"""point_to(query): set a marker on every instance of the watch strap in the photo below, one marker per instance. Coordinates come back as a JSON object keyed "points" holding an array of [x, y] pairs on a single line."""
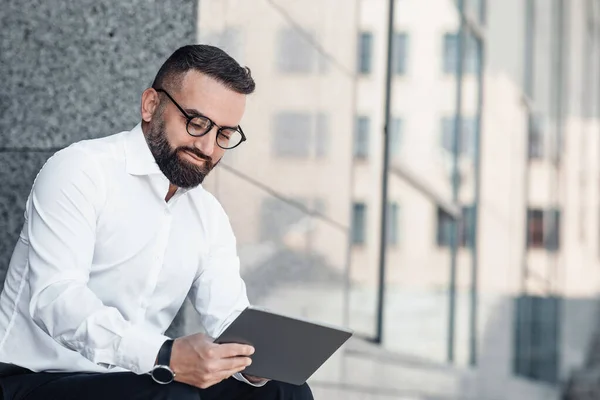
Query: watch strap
{"points": [[164, 354]]}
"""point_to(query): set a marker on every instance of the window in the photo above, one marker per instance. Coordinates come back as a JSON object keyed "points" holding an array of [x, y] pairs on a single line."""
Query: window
{"points": [[552, 239], [535, 228], [543, 229], [359, 211], [465, 227], [361, 137], [450, 53], [471, 64], [301, 135], [292, 134], [295, 53], [466, 146], [365, 52], [322, 135], [399, 53], [536, 344], [444, 228], [393, 217], [536, 138], [396, 137]]}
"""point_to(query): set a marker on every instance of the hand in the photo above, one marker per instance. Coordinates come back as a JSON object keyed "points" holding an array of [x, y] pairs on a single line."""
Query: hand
{"points": [[255, 379], [199, 362]]}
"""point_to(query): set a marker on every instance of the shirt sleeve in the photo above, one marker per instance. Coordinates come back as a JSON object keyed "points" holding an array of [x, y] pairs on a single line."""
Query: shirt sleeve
{"points": [[219, 293], [61, 215], [241, 378]]}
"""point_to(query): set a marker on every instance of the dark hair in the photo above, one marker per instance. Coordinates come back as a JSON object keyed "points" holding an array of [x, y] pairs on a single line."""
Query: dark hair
{"points": [[208, 60]]}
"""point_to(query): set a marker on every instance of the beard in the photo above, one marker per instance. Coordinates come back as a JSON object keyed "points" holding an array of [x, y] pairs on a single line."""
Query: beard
{"points": [[179, 172]]}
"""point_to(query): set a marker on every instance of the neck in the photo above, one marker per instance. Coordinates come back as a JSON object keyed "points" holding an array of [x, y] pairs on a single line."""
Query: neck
{"points": [[171, 192]]}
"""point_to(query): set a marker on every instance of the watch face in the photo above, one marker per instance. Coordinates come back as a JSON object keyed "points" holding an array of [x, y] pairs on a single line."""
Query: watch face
{"points": [[163, 374]]}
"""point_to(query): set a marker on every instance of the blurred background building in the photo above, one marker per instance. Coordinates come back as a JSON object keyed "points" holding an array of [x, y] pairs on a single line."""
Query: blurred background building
{"points": [[486, 283]]}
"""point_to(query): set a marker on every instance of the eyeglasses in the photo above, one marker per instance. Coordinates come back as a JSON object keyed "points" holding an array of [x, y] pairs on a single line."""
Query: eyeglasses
{"points": [[199, 125]]}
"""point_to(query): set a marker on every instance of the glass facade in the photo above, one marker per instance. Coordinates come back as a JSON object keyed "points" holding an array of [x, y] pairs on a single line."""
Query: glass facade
{"points": [[477, 223]]}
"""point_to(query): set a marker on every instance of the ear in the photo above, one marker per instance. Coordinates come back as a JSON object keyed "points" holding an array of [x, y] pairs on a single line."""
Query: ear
{"points": [[150, 102]]}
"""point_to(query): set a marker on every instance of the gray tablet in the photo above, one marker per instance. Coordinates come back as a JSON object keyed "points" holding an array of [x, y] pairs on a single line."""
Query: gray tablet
{"points": [[286, 349]]}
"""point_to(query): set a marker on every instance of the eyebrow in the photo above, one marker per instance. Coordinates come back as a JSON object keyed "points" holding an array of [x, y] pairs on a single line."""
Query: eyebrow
{"points": [[192, 112]]}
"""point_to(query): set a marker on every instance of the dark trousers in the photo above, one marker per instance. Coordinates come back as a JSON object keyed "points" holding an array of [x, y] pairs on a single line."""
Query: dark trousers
{"points": [[129, 386]]}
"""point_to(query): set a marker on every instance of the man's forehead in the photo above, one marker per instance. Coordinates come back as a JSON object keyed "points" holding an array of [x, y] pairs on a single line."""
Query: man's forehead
{"points": [[212, 98], [194, 81]]}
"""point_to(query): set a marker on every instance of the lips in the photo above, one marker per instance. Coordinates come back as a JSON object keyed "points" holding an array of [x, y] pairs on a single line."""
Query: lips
{"points": [[195, 157]]}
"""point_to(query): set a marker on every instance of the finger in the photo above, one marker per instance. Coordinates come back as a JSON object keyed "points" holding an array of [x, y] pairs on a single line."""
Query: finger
{"points": [[225, 364], [223, 374], [234, 350], [230, 372]]}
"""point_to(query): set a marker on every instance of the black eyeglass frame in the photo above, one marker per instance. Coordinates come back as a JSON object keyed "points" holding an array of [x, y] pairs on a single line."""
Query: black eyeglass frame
{"points": [[212, 124]]}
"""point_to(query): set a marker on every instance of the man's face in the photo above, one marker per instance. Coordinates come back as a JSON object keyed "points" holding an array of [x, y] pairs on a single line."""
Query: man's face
{"points": [[184, 159]]}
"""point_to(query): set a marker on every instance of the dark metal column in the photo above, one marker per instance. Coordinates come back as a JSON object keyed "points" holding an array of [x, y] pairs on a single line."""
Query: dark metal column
{"points": [[475, 211], [455, 180], [385, 176]]}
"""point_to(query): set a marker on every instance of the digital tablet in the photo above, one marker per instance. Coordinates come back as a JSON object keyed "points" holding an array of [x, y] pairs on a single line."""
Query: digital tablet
{"points": [[286, 349]]}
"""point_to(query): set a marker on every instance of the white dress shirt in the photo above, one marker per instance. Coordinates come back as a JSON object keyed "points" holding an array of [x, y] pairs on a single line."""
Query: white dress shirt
{"points": [[103, 263]]}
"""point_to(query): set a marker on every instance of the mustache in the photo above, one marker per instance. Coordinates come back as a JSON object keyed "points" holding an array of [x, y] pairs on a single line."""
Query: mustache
{"points": [[197, 153]]}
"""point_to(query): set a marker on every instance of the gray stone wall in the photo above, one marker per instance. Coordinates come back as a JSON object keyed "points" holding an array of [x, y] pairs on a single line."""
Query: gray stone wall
{"points": [[71, 71]]}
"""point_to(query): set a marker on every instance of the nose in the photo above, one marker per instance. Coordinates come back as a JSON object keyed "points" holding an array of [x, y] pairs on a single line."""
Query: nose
{"points": [[207, 143]]}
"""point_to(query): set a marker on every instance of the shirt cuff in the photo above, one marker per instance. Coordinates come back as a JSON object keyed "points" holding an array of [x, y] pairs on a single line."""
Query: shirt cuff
{"points": [[138, 349], [241, 378]]}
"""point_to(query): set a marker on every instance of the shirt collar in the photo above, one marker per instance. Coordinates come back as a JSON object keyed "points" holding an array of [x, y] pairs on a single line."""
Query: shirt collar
{"points": [[138, 157]]}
